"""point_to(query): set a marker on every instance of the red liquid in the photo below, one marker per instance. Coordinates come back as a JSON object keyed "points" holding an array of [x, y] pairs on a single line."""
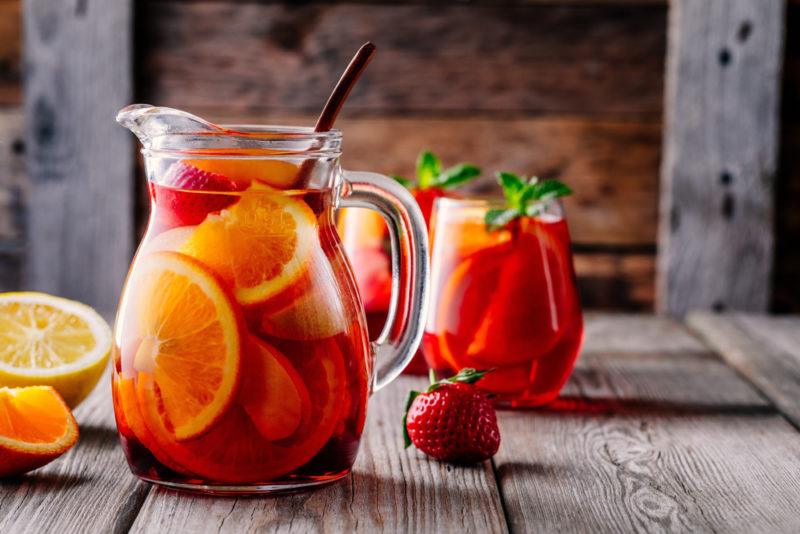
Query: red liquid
{"points": [[506, 300], [304, 347]]}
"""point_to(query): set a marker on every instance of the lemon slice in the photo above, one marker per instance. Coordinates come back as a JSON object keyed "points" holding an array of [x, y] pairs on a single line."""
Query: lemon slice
{"points": [[51, 341]]}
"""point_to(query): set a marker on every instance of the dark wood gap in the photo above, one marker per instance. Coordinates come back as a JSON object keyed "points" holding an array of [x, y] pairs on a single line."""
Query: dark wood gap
{"points": [[604, 248]]}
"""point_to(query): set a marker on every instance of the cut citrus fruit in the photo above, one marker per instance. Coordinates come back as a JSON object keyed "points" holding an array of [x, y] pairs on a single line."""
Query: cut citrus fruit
{"points": [[194, 241], [272, 392], [47, 340], [234, 450], [36, 427], [263, 243], [361, 228], [276, 173], [171, 239], [190, 348], [131, 423], [466, 289]]}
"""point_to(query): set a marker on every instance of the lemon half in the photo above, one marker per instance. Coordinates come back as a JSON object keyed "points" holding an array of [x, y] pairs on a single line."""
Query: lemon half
{"points": [[51, 341]]}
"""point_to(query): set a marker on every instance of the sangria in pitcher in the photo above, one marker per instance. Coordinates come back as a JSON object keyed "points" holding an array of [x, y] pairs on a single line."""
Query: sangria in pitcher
{"points": [[241, 359]]}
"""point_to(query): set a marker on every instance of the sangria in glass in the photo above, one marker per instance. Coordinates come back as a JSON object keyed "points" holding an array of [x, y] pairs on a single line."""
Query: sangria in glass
{"points": [[503, 297], [241, 359], [365, 237]]}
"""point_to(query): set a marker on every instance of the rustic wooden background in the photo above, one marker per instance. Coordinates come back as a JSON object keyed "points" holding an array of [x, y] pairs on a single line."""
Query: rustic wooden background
{"points": [[568, 88]]}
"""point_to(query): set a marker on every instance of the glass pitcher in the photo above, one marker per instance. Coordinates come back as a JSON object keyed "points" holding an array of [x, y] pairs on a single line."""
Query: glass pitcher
{"points": [[241, 359]]}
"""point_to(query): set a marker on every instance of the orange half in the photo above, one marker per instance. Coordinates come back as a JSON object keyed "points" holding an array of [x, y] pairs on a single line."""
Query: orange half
{"points": [[36, 427], [190, 348]]}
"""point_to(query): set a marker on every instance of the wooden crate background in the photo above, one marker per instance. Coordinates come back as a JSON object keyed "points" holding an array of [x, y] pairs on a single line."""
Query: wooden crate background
{"points": [[569, 88]]}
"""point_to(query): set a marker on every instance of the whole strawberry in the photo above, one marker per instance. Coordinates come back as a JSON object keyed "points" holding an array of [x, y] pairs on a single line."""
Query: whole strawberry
{"points": [[453, 420]]}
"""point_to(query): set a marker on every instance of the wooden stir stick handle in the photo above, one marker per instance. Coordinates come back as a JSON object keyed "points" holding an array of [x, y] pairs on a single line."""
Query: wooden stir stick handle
{"points": [[336, 100], [343, 87]]}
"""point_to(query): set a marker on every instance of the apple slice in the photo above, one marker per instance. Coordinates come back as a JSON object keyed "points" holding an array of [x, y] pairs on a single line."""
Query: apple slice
{"points": [[316, 312]]}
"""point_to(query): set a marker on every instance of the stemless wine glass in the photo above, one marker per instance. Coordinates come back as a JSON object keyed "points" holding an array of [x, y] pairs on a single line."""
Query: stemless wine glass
{"points": [[241, 360], [503, 299]]}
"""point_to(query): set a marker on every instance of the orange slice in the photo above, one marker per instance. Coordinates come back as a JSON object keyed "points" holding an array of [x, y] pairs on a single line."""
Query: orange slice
{"points": [[524, 317], [361, 228], [262, 244], [171, 239], [272, 392], [190, 340], [276, 173], [36, 427]]}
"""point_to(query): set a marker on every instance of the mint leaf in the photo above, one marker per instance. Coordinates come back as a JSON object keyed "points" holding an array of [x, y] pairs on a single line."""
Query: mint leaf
{"points": [[550, 189], [524, 197], [428, 169], [496, 219], [511, 183], [456, 175], [535, 209], [405, 182], [530, 192]]}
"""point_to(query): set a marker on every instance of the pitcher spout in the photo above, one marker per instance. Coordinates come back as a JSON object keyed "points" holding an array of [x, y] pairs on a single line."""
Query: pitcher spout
{"points": [[149, 123]]}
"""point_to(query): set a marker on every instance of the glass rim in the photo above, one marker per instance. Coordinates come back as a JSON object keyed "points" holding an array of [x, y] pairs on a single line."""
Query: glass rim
{"points": [[276, 142], [476, 201], [480, 204]]}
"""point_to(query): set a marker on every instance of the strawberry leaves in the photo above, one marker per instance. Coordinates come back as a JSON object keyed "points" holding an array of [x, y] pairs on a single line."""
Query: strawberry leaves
{"points": [[524, 198], [468, 375], [431, 175]]}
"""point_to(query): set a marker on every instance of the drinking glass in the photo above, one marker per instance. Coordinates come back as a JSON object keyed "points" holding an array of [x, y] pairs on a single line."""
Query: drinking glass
{"points": [[503, 300], [241, 360]]}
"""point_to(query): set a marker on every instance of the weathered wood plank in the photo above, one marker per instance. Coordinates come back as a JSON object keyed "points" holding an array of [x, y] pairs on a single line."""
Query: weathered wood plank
{"points": [[80, 161], [10, 56], [615, 281], [577, 471], [12, 198], [391, 490], [479, 2], [629, 333], [765, 350], [653, 434], [89, 488], [615, 200], [786, 298], [720, 154], [552, 58]]}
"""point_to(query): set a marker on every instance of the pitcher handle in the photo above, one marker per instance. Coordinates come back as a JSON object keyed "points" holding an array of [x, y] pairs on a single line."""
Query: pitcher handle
{"points": [[402, 332]]}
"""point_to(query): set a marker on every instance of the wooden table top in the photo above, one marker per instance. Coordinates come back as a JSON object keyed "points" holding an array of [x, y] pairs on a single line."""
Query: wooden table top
{"points": [[662, 427]]}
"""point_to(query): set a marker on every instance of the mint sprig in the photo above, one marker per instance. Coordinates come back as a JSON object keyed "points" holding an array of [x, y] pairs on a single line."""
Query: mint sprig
{"points": [[467, 375], [525, 197], [430, 173]]}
